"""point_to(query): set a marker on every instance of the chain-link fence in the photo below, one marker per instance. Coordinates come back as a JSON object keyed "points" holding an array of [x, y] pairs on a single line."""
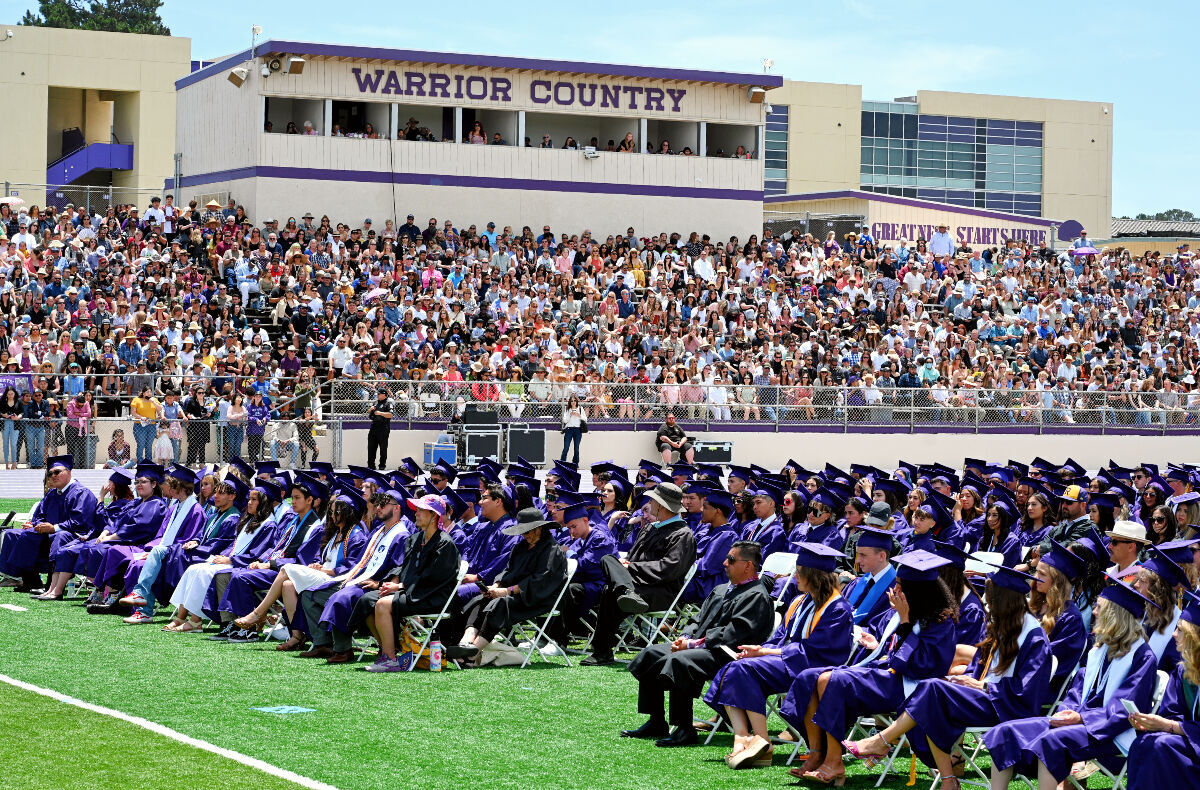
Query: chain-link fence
{"points": [[96, 199], [772, 408], [819, 225]]}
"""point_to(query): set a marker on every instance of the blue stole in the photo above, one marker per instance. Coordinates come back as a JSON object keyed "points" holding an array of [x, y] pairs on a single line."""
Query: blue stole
{"points": [[861, 609], [176, 519]]}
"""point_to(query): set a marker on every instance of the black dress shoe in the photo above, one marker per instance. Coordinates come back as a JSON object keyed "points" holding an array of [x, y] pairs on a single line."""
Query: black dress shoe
{"points": [[458, 652], [597, 660], [681, 736], [654, 728], [630, 602], [36, 591]]}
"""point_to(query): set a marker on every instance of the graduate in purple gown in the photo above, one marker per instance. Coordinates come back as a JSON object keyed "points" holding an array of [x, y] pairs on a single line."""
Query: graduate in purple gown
{"points": [[1166, 752], [141, 568], [822, 525], [130, 521], [1000, 534], [767, 528], [972, 619], [713, 539], [298, 541], [867, 594], [72, 558], [216, 535], [1091, 721], [588, 546], [1160, 580], [1008, 678], [1051, 602], [66, 513], [815, 631], [489, 548], [824, 702]]}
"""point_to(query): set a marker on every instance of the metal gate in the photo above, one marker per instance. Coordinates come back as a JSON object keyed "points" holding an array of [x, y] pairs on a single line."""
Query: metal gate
{"points": [[782, 222]]}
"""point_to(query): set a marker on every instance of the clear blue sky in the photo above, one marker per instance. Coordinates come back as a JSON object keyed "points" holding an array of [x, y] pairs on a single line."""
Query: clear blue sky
{"points": [[1131, 54]]}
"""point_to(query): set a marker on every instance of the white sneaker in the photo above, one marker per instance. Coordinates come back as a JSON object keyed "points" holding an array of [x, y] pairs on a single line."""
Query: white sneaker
{"points": [[550, 650], [525, 645]]}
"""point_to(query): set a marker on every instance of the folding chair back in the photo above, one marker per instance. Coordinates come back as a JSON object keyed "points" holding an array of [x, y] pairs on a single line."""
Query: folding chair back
{"points": [[781, 564], [428, 623], [535, 641], [652, 622]]}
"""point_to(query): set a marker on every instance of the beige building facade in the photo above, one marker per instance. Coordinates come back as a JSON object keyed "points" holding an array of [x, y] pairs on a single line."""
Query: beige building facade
{"points": [[95, 109], [1038, 158]]}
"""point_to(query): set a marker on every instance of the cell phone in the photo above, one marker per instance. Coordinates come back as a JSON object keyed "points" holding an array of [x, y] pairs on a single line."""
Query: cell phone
{"points": [[732, 653], [1130, 708], [481, 584]]}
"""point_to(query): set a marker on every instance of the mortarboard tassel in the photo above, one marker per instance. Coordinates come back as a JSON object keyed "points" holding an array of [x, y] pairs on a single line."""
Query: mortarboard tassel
{"points": [[912, 772]]}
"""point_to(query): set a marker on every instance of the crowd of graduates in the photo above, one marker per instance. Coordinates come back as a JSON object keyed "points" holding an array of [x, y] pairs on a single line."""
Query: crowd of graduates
{"points": [[1054, 608]]}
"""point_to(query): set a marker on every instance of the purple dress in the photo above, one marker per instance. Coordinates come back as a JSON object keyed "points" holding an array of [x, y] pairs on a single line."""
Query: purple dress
{"points": [[879, 686], [712, 547], [1096, 695], [943, 710], [807, 638], [299, 541], [1159, 760], [72, 510]]}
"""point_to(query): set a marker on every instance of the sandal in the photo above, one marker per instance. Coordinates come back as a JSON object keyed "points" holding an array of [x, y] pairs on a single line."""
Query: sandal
{"points": [[188, 627], [823, 776], [173, 625], [869, 760], [811, 763], [250, 621]]}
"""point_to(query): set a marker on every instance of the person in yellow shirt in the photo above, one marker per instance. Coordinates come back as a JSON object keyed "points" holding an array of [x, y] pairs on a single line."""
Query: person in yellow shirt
{"points": [[145, 411]]}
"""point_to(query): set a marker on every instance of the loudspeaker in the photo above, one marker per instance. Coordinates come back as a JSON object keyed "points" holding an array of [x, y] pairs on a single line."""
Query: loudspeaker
{"points": [[480, 445], [527, 442], [714, 452]]}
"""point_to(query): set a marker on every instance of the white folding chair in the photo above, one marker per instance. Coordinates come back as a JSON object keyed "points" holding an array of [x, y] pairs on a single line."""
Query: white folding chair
{"points": [[520, 632], [649, 625], [428, 623], [1118, 779], [781, 564]]}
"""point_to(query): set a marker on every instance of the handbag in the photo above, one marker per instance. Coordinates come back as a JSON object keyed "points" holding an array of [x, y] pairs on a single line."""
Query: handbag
{"points": [[583, 426]]}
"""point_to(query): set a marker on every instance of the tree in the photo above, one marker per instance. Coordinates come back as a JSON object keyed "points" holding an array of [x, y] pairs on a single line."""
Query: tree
{"points": [[114, 16], [1170, 215]]}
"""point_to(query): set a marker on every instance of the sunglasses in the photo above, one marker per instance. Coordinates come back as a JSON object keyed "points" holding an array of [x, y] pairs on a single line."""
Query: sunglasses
{"points": [[1159, 519], [816, 511], [732, 558]]}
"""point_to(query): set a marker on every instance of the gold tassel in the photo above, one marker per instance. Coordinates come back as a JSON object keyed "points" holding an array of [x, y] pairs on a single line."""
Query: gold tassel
{"points": [[912, 771]]}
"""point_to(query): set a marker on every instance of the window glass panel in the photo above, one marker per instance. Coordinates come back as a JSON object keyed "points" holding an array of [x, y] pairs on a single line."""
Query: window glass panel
{"points": [[868, 124], [780, 137], [882, 125]]}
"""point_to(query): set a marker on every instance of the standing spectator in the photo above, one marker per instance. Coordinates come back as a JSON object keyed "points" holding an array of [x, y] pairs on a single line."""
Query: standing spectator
{"points": [[258, 414], [11, 411], [197, 414], [379, 433], [172, 412], [941, 245], [37, 413], [145, 410], [308, 442], [235, 428], [79, 416], [574, 420]]}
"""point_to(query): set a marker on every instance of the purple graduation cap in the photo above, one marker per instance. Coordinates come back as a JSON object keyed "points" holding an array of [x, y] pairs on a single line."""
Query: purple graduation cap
{"points": [[950, 552], [447, 468], [243, 468], [182, 474], [1011, 578], [121, 476], [720, 499], [1158, 562], [872, 538], [323, 468], [919, 566], [1191, 609], [1126, 597], [150, 471], [1062, 560], [349, 495], [240, 489], [268, 489], [61, 462], [310, 485], [817, 556]]}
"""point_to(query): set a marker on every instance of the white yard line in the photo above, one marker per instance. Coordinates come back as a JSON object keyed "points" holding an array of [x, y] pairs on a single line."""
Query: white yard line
{"points": [[174, 735]]}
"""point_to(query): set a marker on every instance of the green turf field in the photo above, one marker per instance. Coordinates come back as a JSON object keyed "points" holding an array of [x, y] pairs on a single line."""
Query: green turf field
{"points": [[540, 727]]}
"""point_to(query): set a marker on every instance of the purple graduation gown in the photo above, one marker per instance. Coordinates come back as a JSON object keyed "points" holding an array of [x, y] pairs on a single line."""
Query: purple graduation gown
{"points": [[712, 547], [1010, 546], [747, 682], [259, 548], [589, 553], [189, 529], [1159, 760], [772, 536], [876, 687], [1022, 743], [865, 604], [1067, 643], [240, 598], [972, 619], [216, 536], [340, 605], [487, 554], [943, 710], [347, 557], [72, 510], [74, 557], [828, 534]]}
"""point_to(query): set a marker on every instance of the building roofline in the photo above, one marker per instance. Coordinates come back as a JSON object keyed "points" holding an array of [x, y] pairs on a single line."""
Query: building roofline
{"points": [[483, 61], [858, 194]]}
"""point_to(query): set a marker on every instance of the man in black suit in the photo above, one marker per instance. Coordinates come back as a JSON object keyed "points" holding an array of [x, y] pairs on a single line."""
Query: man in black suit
{"points": [[740, 612]]}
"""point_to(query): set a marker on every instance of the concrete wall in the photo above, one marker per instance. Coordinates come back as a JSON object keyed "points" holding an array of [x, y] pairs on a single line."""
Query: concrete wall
{"points": [[812, 450], [824, 134], [35, 59], [1077, 149]]}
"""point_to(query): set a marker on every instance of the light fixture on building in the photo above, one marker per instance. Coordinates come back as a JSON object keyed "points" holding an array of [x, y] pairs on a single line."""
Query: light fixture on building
{"points": [[294, 66], [238, 76], [756, 95]]}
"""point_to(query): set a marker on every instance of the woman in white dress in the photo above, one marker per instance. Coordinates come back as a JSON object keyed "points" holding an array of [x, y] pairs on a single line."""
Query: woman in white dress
{"points": [[188, 597], [341, 547]]}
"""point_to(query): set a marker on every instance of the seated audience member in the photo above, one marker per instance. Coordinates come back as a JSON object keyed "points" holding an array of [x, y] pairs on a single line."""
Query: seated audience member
{"points": [[650, 576], [589, 544], [737, 613]]}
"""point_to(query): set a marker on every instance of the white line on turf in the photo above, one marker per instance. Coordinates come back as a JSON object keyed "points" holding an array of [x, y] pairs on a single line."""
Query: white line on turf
{"points": [[13, 607], [238, 757]]}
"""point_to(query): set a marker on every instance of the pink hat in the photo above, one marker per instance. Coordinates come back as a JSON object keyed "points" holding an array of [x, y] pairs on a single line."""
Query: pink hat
{"points": [[434, 504]]}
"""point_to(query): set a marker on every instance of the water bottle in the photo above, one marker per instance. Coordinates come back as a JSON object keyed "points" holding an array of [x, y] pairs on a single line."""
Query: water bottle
{"points": [[435, 656], [70, 591]]}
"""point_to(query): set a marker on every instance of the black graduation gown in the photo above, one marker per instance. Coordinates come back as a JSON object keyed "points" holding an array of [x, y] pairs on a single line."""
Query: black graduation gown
{"points": [[427, 573], [659, 559], [540, 572]]}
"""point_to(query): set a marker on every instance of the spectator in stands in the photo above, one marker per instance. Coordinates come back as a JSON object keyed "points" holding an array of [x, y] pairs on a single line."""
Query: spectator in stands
{"points": [[671, 438]]}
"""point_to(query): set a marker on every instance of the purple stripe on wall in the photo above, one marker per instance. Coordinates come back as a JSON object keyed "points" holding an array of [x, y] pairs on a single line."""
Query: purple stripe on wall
{"points": [[856, 194], [478, 182], [497, 62], [827, 428]]}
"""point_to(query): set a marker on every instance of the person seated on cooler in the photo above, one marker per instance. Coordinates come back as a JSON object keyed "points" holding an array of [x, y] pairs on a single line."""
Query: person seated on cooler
{"points": [[182, 521], [650, 576], [1166, 752], [815, 631], [739, 612], [1007, 677], [1091, 723], [825, 702], [119, 522], [671, 438], [66, 513], [325, 610], [526, 588], [589, 544], [420, 586]]}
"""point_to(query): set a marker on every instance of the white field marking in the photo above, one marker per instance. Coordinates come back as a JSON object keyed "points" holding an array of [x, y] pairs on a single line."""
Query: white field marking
{"points": [[174, 735], [13, 607]]}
